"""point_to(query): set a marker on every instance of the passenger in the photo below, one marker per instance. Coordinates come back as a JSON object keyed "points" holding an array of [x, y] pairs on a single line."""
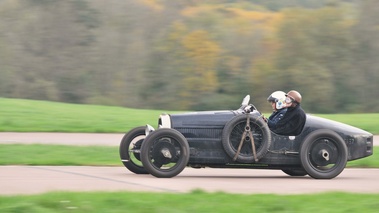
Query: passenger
{"points": [[293, 121], [277, 100]]}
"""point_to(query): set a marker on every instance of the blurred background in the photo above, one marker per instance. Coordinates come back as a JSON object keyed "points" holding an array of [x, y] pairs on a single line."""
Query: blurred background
{"points": [[191, 54]]}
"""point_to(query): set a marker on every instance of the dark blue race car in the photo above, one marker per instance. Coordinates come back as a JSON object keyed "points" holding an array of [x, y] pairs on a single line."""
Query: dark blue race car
{"points": [[241, 139]]}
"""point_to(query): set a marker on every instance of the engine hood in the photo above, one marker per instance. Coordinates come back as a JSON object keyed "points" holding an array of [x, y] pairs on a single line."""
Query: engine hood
{"points": [[209, 119]]}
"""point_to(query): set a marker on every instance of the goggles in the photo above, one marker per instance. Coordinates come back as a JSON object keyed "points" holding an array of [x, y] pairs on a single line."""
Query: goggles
{"points": [[289, 100]]}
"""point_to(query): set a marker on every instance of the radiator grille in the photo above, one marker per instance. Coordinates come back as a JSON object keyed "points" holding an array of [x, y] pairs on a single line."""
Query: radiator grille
{"points": [[200, 132]]}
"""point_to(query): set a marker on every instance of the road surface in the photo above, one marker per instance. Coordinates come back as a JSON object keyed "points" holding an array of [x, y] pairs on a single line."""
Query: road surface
{"points": [[16, 180]]}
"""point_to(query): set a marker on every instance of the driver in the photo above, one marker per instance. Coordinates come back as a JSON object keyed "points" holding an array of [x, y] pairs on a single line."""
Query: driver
{"points": [[293, 121], [277, 100]]}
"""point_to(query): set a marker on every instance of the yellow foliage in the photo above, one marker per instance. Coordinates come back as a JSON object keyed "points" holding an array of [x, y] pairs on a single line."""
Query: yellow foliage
{"points": [[203, 54], [232, 64], [245, 21], [153, 4], [194, 11], [265, 20], [177, 32]]}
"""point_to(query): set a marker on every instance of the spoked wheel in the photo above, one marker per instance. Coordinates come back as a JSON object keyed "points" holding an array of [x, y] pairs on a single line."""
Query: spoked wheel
{"points": [[323, 154], [165, 153], [232, 136], [295, 172], [130, 150]]}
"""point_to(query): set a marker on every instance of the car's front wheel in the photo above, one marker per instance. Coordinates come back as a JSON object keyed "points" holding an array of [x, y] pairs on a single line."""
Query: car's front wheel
{"points": [[323, 154], [165, 153], [130, 150]]}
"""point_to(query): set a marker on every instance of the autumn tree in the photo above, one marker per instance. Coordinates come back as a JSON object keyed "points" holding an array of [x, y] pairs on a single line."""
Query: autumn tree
{"points": [[190, 54], [366, 32], [316, 57], [46, 46], [199, 76]]}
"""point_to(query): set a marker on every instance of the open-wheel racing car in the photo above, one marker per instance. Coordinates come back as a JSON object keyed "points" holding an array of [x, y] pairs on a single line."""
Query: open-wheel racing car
{"points": [[242, 139]]}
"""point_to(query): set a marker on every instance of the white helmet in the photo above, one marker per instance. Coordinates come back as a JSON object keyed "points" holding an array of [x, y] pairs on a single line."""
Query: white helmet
{"points": [[278, 97]]}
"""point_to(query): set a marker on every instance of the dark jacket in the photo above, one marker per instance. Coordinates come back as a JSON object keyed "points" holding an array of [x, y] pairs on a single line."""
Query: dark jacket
{"points": [[275, 117], [292, 122]]}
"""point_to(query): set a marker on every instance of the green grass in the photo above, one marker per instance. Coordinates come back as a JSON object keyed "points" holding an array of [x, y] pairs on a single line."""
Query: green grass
{"points": [[62, 155], [368, 122], [59, 155], [20, 115], [195, 201]]}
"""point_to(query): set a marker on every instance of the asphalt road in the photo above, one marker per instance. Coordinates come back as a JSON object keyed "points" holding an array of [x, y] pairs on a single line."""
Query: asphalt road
{"points": [[15, 180], [79, 139], [39, 179]]}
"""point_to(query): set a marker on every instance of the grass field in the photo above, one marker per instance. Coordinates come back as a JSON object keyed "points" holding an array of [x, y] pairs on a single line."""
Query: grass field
{"points": [[59, 155], [196, 201], [20, 115]]}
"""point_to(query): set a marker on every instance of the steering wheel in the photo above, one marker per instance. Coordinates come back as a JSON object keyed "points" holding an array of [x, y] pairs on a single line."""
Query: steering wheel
{"points": [[246, 107]]}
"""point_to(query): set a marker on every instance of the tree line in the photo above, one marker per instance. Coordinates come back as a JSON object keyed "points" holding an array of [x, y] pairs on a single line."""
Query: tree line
{"points": [[191, 54]]}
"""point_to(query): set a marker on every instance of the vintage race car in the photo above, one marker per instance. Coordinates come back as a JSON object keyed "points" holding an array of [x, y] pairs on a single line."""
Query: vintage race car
{"points": [[242, 139]]}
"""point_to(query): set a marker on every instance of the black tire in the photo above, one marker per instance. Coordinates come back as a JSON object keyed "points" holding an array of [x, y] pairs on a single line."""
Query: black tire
{"points": [[129, 150], [323, 154], [165, 153], [295, 172], [232, 134]]}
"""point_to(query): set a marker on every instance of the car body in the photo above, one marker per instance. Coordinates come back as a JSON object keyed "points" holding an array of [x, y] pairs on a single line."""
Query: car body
{"points": [[241, 139]]}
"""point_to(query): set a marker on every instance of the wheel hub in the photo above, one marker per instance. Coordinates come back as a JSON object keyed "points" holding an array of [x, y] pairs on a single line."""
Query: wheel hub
{"points": [[324, 153], [136, 150], [163, 152], [166, 153]]}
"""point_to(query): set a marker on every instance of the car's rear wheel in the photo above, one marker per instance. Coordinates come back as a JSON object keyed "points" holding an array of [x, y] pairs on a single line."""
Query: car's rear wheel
{"points": [[323, 154], [130, 150], [165, 153], [295, 172], [232, 136]]}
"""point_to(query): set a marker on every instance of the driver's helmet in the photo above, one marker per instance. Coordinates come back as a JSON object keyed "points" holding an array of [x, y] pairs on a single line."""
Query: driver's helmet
{"points": [[279, 98], [295, 96]]}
